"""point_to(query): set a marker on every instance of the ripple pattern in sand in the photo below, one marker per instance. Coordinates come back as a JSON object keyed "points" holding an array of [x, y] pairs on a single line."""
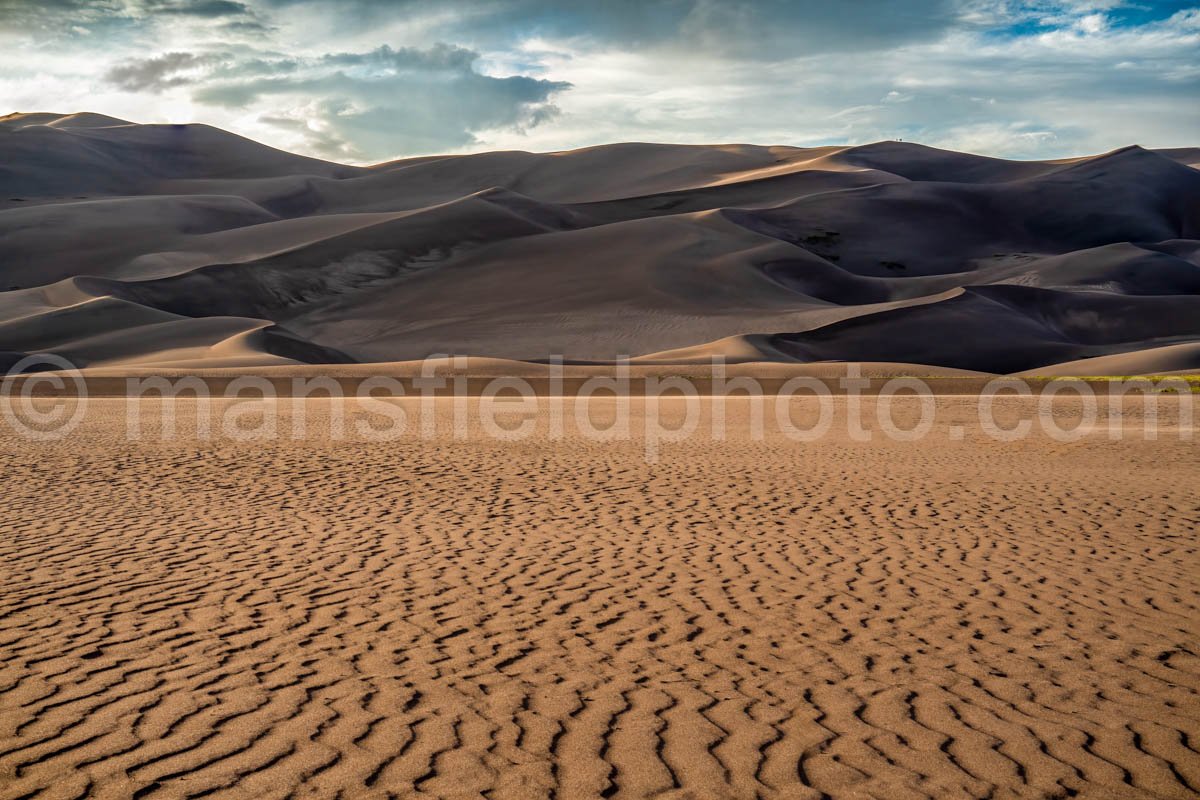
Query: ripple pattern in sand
{"points": [[480, 619]]}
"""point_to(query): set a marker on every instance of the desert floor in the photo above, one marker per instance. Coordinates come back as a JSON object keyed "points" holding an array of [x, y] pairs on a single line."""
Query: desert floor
{"points": [[465, 617]]}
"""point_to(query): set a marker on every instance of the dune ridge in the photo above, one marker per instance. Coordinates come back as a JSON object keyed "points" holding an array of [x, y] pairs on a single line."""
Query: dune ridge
{"points": [[651, 251]]}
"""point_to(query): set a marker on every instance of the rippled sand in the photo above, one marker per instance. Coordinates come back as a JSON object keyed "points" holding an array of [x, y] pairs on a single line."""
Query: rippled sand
{"points": [[955, 617]]}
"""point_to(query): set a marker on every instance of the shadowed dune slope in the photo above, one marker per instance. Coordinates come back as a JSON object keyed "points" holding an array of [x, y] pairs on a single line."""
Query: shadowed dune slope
{"points": [[888, 251], [1011, 328]]}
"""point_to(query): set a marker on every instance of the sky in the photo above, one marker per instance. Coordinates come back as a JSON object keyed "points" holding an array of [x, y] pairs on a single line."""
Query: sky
{"points": [[363, 81]]}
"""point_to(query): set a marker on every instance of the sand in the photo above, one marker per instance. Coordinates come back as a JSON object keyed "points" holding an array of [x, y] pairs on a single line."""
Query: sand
{"points": [[955, 617], [184, 246]]}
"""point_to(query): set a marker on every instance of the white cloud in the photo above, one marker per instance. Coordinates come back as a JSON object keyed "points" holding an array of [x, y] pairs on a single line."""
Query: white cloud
{"points": [[1018, 138]]}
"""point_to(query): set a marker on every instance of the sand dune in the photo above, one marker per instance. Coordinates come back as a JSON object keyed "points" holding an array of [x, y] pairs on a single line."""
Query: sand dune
{"points": [[1011, 328], [49, 155], [45, 243], [653, 251], [1165, 360]]}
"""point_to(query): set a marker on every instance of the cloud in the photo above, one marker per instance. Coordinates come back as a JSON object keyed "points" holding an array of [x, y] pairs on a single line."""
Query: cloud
{"points": [[56, 20], [312, 130], [159, 73], [1012, 138], [17, 13], [1042, 93], [756, 29], [379, 103], [198, 8]]}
